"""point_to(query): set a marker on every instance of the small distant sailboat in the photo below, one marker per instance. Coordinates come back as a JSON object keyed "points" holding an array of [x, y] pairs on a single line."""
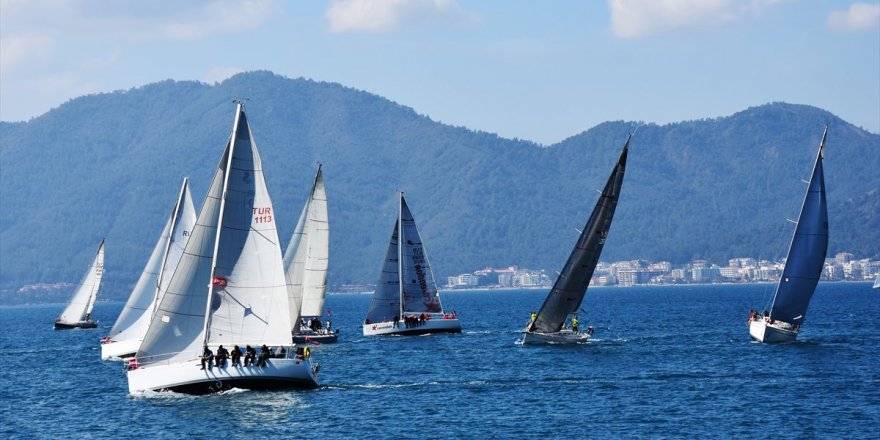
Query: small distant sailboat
{"points": [[406, 300], [78, 313], [127, 333], [548, 325], [877, 282], [305, 262], [229, 289], [803, 266]]}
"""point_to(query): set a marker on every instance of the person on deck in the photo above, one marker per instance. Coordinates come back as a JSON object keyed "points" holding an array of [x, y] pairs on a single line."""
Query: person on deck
{"points": [[250, 356], [222, 355], [533, 316], [207, 357], [236, 356], [575, 323], [396, 321], [264, 355]]}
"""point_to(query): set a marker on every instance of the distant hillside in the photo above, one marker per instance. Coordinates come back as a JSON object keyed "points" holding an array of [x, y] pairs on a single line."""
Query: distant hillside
{"points": [[109, 165]]}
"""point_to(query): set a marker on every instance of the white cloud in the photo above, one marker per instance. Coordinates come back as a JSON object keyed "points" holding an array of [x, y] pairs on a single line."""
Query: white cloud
{"points": [[386, 15], [859, 17], [16, 52], [222, 16], [218, 74], [643, 18]]}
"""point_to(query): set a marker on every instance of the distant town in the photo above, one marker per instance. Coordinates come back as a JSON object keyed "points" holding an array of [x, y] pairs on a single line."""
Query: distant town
{"points": [[843, 267]]}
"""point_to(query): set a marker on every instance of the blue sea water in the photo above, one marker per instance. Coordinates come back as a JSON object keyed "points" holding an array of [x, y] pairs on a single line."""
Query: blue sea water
{"points": [[665, 362]]}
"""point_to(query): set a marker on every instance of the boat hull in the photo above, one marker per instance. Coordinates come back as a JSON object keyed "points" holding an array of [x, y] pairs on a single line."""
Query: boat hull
{"points": [[762, 331], [188, 378], [60, 325], [119, 350], [319, 337], [560, 337], [429, 326]]}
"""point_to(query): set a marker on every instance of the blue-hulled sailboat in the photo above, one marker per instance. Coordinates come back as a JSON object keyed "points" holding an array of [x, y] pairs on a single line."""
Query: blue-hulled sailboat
{"points": [[803, 266]]}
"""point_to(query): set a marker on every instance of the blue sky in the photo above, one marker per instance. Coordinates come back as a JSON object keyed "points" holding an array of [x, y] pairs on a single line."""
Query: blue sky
{"points": [[536, 70]]}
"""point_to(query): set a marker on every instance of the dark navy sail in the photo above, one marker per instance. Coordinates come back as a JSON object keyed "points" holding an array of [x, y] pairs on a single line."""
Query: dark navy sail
{"points": [[568, 292], [806, 256]]}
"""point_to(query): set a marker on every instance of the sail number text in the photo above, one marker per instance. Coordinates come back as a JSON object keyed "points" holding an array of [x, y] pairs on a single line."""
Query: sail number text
{"points": [[262, 215]]}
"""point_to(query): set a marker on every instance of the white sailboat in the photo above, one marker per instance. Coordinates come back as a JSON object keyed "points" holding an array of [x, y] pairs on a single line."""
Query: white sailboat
{"points": [[547, 326], [78, 313], [406, 300], [877, 282], [127, 333], [229, 289], [305, 261], [803, 266]]}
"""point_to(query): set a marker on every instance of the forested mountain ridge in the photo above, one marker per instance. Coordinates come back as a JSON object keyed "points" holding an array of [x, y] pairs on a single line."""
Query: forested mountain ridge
{"points": [[109, 165]]}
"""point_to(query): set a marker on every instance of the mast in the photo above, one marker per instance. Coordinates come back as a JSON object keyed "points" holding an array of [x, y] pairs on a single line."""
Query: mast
{"points": [[174, 214], [400, 252], [789, 265], [238, 110]]}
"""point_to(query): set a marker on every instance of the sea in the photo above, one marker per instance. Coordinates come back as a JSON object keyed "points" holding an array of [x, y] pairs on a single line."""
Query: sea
{"points": [[664, 362]]}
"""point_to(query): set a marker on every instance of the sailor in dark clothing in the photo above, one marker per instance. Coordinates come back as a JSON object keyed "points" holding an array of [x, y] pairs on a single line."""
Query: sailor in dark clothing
{"points": [[236, 356], [264, 355], [250, 356], [222, 355], [207, 357]]}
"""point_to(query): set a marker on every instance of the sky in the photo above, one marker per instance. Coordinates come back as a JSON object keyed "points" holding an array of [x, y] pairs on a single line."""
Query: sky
{"points": [[536, 70]]}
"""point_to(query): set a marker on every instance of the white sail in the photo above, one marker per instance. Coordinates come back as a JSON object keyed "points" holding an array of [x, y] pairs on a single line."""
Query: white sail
{"points": [[83, 300], [307, 255], [135, 317], [877, 282], [229, 287]]}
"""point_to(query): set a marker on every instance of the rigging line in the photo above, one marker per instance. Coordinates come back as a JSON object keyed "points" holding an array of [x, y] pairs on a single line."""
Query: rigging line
{"points": [[261, 234]]}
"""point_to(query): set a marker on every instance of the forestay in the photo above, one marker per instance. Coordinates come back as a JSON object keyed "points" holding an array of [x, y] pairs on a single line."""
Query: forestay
{"points": [[83, 300], [135, 317], [806, 255], [570, 287], [418, 288]]}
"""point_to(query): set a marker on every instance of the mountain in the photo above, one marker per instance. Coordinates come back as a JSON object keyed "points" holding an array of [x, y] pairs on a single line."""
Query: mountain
{"points": [[109, 165]]}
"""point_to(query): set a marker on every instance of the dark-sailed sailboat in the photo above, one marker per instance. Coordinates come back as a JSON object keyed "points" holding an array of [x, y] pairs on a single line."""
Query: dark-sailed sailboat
{"points": [[564, 299], [406, 300], [803, 265]]}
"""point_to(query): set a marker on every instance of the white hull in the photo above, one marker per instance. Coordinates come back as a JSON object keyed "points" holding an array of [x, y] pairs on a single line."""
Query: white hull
{"points": [[119, 350], [187, 377], [763, 331], [565, 336], [430, 326]]}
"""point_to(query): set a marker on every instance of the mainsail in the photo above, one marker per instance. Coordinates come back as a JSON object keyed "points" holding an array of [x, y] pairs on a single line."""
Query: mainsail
{"points": [[307, 254], [418, 289], [570, 287], [135, 317], [229, 287], [806, 255], [386, 299], [83, 300]]}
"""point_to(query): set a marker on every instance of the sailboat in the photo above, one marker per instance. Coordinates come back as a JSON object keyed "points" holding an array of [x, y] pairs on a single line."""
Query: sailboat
{"points": [[803, 265], [305, 262], [78, 313], [229, 290], [547, 326], [877, 282], [406, 300], [127, 333]]}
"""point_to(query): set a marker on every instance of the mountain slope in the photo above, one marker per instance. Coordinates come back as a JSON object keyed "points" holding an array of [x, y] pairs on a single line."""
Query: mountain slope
{"points": [[109, 165]]}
